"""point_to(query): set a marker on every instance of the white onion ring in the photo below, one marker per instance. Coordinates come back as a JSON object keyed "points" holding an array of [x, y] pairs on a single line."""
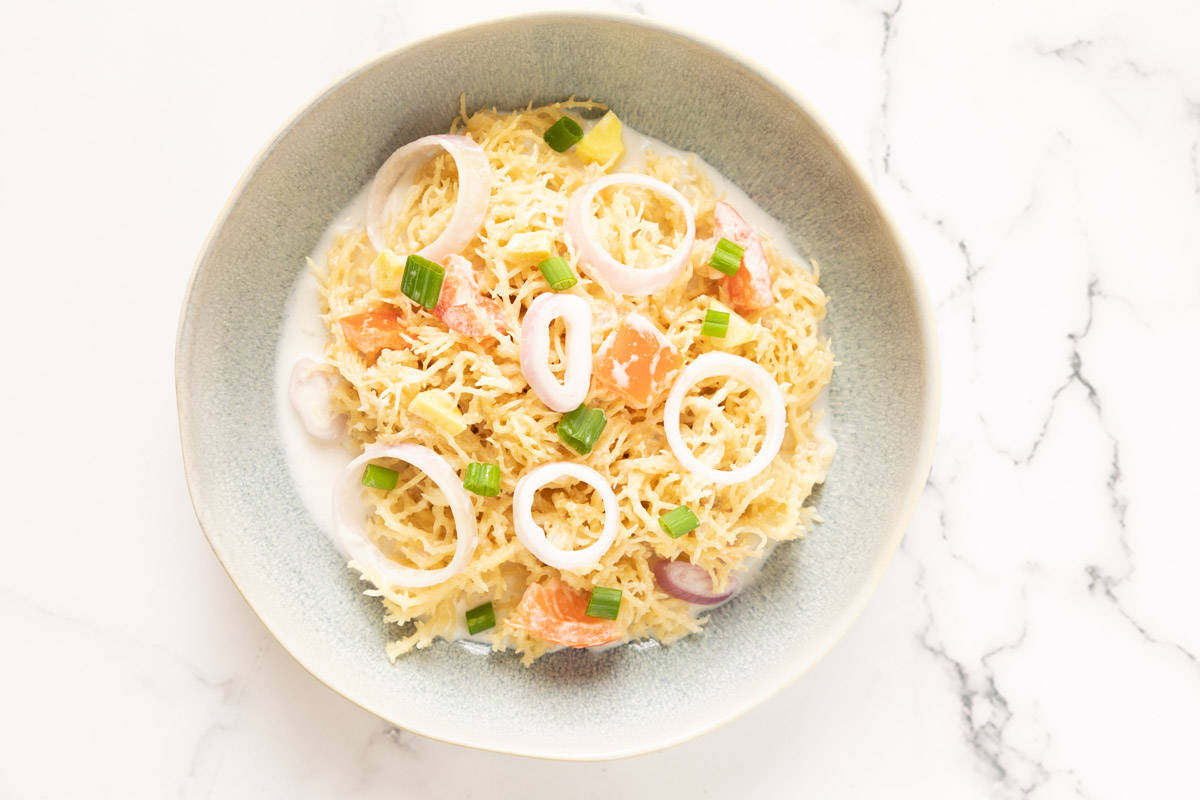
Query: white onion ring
{"points": [[349, 518], [712, 365], [532, 535], [474, 189], [535, 350], [309, 389], [622, 278]]}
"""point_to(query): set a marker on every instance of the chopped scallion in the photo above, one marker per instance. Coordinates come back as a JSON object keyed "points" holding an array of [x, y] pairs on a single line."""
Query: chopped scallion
{"points": [[678, 522], [716, 323], [481, 618], [482, 479], [563, 135], [422, 282], [726, 257], [605, 603], [378, 477], [580, 428], [558, 273]]}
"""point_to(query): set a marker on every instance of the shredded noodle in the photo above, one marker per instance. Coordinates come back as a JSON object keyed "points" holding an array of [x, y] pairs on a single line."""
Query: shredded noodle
{"points": [[510, 427]]}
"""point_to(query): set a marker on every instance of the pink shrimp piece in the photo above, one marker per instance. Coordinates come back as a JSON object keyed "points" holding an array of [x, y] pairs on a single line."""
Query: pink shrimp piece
{"points": [[750, 288], [461, 305]]}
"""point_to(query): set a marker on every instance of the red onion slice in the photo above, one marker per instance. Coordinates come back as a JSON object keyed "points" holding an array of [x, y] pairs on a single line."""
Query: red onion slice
{"points": [[712, 365], [532, 535], [309, 390], [349, 516], [690, 583], [474, 189], [535, 350], [622, 278]]}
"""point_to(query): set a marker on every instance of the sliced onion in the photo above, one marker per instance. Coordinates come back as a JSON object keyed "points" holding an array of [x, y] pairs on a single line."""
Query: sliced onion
{"points": [[532, 535], [712, 365], [690, 583], [535, 350], [622, 278], [474, 188], [350, 516], [309, 389]]}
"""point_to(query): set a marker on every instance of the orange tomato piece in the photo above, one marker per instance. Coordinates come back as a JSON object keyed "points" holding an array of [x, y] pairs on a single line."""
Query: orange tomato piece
{"points": [[374, 331], [461, 305], [555, 612], [750, 288], [636, 361]]}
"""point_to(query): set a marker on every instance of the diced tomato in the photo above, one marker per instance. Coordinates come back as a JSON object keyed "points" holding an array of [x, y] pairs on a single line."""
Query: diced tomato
{"points": [[374, 331], [462, 307], [636, 361], [750, 288], [555, 612]]}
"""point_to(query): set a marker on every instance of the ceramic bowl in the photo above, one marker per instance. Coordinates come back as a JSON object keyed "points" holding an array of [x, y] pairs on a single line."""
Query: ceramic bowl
{"points": [[572, 704]]}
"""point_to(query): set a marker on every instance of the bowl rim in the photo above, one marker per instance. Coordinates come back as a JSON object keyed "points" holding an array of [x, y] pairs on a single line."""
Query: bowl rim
{"points": [[925, 317]]}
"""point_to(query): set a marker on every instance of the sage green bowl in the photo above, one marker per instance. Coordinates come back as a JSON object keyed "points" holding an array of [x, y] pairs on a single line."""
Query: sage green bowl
{"points": [[572, 704]]}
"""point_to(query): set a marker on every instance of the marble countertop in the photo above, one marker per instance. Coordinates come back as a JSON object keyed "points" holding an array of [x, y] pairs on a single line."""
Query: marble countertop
{"points": [[1037, 636]]}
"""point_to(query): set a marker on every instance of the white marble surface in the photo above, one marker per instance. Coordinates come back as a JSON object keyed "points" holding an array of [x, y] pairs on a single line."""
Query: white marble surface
{"points": [[1038, 634]]}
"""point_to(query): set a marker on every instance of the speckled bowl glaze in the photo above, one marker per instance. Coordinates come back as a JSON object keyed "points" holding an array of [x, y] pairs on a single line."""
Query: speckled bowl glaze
{"points": [[573, 704]]}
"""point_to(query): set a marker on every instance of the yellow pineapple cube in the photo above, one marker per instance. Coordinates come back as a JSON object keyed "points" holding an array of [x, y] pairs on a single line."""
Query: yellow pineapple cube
{"points": [[602, 144], [438, 408], [387, 271], [533, 245], [739, 331]]}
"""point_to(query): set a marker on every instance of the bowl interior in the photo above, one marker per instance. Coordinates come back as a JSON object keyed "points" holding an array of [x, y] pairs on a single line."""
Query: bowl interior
{"points": [[571, 704]]}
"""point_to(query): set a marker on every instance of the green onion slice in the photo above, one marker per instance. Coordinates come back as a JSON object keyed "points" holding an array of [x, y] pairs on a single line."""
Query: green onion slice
{"points": [[716, 323], [422, 282], [726, 257], [480, 618], [558, 273], [579, 429], [678, 522], [562, 135], [482, 479], [605, 603], [378, 477]]}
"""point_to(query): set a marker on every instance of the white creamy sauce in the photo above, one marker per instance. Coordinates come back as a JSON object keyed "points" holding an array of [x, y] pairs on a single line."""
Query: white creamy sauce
{"points": [[315, 465]]}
